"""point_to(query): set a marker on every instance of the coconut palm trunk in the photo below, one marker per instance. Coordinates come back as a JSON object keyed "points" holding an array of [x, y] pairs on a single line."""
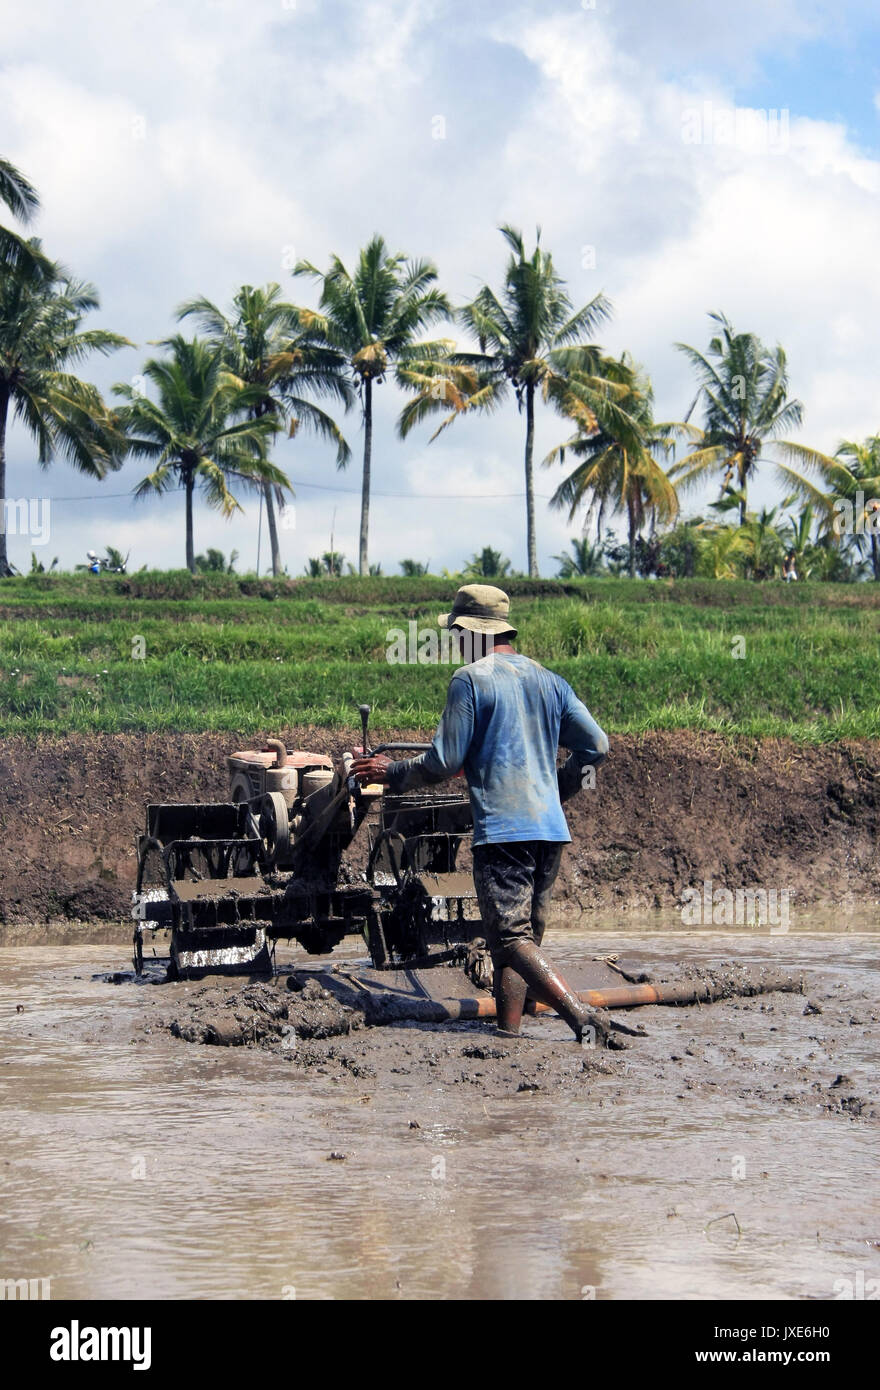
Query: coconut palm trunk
{"points": [[273, 530], [189, 485], [268, 498], [4, 414], [530, 482], [363, 562], [633, 529]]}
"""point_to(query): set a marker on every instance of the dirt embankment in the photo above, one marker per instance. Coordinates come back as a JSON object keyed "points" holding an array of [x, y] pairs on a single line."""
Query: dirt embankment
{"points": [[669, 811]]}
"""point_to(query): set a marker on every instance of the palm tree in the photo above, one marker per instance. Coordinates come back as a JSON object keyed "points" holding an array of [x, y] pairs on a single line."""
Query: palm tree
{"points": [[619, 466], [530, 340], [487, 564], [215, 562], [265, 343], [765, 541], [41, 313], [585, 559], [23, 202], [195, 432], [797, 539], [680, 549], [330, 562], [761, 537], [860, 475], [744, 390], [723, 551], [372, 317]]}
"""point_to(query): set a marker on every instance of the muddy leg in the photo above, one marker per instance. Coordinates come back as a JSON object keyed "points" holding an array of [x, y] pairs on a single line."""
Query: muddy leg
{"points": [[547, 860], [546, 983], [503, 878], [510, 997], [513, 884]]}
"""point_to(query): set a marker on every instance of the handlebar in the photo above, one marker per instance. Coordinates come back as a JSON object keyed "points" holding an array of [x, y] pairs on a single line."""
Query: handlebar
{"points": [[401, 748]]}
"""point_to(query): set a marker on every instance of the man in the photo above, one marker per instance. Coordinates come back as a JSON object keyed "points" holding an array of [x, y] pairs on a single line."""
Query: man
{"points": [[504, 719]]}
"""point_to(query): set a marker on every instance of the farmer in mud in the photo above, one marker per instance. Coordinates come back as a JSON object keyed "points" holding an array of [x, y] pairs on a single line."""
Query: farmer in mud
{"points": [[504, 719]]}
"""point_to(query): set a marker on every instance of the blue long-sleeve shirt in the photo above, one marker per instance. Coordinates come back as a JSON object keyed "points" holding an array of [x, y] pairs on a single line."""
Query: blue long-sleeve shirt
{"points": [[504, 719]]}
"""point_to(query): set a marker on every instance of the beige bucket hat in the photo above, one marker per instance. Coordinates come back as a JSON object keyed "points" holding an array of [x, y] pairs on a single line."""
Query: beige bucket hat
{"points": [[481, 608]]}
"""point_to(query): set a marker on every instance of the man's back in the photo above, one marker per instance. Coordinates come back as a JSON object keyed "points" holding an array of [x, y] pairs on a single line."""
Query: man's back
{"points": [[505, 716]]}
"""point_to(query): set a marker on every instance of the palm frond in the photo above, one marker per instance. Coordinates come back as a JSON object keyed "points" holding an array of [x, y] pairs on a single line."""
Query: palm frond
{"points": [[17, 192]]}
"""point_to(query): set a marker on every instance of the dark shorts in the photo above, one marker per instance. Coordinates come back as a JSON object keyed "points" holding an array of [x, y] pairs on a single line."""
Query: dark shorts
{"points": [[514, 883]]}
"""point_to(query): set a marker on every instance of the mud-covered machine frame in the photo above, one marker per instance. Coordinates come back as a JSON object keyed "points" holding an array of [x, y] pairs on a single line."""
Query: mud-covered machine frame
{"points": [[229, 879]]}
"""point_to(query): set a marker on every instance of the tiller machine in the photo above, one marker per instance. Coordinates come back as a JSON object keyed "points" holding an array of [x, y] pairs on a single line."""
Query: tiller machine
{"points": [[228, 879]]}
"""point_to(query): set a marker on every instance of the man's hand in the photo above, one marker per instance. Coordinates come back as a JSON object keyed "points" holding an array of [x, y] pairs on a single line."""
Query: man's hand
{"points": [[373, 769]]}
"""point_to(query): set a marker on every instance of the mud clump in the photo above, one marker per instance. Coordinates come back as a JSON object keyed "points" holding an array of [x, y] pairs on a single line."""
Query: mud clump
{"points": [[730, 979], [482, 1053], [299, 1022], [264, 1014]]}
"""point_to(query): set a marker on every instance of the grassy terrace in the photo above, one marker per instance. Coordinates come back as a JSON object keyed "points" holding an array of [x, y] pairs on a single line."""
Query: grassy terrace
{"points": [[228, 653]]}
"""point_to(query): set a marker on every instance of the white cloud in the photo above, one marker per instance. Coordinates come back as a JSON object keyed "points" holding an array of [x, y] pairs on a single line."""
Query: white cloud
{"points": [[267, 126], [780, 240]]}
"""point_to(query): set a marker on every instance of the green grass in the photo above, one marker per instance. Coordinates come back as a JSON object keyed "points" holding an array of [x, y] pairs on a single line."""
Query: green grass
{"points": [[246, 655]]}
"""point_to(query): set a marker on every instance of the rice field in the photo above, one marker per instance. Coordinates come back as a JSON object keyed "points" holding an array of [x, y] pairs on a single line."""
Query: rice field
{"points": [[166, 652]]}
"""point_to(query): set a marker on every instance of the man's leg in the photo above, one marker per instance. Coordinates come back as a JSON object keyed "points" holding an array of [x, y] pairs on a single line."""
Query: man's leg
{"points": [[545, 983], [550, 987], [548, 859], [510, 999], [504, 878]]}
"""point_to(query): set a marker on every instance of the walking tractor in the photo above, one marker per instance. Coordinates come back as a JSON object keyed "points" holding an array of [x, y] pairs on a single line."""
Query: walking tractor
{"points": [[301, 852], [228, 879]]}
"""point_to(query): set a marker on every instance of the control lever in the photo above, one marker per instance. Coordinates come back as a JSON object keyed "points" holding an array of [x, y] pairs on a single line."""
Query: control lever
{"points": [[365, 714], [354, 786]]}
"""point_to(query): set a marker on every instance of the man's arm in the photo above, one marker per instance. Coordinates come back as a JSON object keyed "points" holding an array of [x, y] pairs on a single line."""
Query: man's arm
{"points": [[587, 743], [443, 759]]}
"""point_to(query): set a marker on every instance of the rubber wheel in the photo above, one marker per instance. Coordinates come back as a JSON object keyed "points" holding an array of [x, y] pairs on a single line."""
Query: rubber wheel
{"points": [[274, 829]]}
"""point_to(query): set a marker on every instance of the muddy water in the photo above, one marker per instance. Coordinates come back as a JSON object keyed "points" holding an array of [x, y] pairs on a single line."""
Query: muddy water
{"points": [[712, 1160]]}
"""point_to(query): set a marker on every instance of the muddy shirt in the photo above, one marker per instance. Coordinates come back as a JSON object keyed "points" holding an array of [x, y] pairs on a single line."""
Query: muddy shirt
{"points": [[504, 719]]}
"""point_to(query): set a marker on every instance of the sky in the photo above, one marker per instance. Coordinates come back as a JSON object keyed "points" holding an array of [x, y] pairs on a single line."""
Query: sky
{"points": [[189, 148]]}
